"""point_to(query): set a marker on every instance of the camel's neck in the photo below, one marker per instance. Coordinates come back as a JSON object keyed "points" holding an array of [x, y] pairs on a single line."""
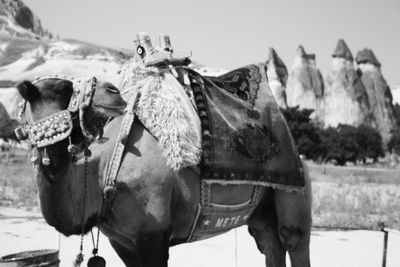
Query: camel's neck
{"points": [[63, 193]]}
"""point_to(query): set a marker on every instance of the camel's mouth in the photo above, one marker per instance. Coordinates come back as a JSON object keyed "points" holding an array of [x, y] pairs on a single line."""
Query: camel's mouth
{"points": [[110, 110]]}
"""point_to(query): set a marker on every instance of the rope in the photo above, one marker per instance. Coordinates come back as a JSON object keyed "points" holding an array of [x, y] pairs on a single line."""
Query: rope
{"points": [[80, 256], [236, 249], [95, 243]]}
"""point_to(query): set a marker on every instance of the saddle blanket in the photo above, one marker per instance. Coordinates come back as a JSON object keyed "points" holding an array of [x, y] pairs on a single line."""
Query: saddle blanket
{"points": [[245, 138]]}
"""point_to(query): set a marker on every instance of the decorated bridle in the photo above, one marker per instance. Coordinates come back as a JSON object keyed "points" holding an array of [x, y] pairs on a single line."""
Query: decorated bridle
{"points": [[58, 126]]}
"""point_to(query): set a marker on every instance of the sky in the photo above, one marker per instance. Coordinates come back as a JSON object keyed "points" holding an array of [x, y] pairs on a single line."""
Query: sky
{"points": [[234, 33]]}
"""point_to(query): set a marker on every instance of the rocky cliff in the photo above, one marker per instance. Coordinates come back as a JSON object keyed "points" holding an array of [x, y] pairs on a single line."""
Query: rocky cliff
{"points": [[305, 85], [277, 77], [28, 50], [395, 89], [378, 91], [17, 20], [7, 125], [345, 97]]}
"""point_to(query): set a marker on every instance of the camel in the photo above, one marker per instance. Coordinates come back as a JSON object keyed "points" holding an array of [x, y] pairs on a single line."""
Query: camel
{"points": [[154, 206]]}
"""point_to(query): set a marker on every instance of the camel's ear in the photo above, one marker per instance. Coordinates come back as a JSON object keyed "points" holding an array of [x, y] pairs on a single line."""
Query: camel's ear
{"points": [[28, 91]]}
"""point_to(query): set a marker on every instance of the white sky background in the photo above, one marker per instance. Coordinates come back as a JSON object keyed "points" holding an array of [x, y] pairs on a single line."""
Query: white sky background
{"points": [[233, 33]]}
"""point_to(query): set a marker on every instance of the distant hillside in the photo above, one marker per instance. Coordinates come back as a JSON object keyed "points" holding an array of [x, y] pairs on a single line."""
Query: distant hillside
{"points": [[23, 58]]}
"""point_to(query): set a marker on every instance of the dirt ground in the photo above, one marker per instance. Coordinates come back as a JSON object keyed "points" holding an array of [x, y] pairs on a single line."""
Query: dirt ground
{"points": [[21, 230]]}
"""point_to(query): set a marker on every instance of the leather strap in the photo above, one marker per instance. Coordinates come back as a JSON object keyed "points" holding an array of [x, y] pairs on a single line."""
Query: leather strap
{"points": [[114, 164]]}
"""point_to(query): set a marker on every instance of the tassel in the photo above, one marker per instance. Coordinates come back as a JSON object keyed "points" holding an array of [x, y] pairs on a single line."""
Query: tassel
{"points": [[72, 149], [35, 157], [46, 159], [20, 133], [79, 259]]}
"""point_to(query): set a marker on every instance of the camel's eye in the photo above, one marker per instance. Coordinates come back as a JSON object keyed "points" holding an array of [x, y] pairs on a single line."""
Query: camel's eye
{"points": [[112, 89]]}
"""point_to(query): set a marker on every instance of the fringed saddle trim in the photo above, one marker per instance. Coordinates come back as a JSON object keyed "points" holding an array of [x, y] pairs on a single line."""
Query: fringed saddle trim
{"points": [[165, 110], [287, 188]]}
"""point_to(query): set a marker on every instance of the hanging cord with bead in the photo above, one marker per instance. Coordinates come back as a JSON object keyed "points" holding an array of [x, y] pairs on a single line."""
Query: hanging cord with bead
{"points": [[80, 256], [95, 243]]}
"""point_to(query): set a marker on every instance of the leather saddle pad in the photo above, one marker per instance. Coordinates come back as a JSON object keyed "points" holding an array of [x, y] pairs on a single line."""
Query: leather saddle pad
{"points": [[245, 138]]}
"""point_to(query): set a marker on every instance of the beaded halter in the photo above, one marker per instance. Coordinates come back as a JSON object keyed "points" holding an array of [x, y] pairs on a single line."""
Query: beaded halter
{"points": [[58, 126]]}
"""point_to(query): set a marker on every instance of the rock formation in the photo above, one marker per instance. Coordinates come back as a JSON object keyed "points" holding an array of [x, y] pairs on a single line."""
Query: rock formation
{"points": [[378, 91], [277, 77], [7, 125], [17, 20], [395, 89], [10, 99], [27, 50], [345, 98], [305, 85]]}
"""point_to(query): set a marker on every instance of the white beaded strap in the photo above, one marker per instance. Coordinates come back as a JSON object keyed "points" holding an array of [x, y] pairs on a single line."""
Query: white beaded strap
{"points": [[116, 157]]}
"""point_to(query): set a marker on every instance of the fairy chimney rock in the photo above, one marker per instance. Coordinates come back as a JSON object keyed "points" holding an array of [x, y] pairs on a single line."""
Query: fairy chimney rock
{"points": [[345, 98], [367, 56], [277, 77], [342, 51], [378, 91], [305, 85]]}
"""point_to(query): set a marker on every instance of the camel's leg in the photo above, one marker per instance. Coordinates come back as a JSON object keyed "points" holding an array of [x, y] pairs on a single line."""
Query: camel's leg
{"points": [[263, 227], [128, 256], [151, 250], [293, 211]]}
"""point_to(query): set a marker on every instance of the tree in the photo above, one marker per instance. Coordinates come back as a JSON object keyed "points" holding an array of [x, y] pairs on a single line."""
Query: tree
{"points": [[394, 142], [341, 145], [369, 142], [305, 134], [348, 143], [344, 143]]}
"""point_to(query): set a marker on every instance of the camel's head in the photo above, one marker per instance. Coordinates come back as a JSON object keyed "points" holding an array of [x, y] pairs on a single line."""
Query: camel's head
{"points": [[59, 108]]}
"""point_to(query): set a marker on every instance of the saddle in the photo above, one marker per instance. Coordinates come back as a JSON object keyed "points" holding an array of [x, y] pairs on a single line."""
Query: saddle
{"points": [[234, 132]]}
